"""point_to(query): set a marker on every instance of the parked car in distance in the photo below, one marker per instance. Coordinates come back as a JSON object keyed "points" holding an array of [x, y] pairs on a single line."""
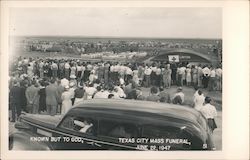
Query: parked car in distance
{"points": [[106, 124]]}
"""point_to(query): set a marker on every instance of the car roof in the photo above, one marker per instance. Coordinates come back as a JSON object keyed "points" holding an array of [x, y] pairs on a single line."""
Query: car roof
{"points": [[163, 109]]}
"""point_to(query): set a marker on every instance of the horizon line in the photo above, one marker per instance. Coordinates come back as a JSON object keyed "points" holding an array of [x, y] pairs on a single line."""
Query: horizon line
{"points": [[84, 36]]}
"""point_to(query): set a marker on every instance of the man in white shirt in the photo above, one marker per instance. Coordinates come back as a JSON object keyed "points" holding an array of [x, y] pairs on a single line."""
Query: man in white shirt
{"points": [[209, 112]]}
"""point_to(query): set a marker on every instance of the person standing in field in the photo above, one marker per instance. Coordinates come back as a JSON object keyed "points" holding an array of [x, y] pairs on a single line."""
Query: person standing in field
{"points": [[35, 106], [147, 74], [218, 72], [66, 70], [52, 98], [199, 76], [79, 94], [209, 112], [42, 99], [194, 72], [66, 100], [54, 68], [188, 76], [212, 79], [206, 75], [31, 93], [15, 101], [167, 76]]}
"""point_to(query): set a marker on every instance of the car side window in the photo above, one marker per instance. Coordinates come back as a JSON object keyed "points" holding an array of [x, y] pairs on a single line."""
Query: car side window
{"points": [[80, 124], [117, 129]]}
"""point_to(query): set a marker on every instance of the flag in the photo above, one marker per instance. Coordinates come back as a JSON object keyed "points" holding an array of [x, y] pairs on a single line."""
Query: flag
{"points": [[173, 58]]}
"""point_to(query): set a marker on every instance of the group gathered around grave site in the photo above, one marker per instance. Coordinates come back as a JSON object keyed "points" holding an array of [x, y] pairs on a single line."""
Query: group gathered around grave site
{"points": [[53, 86]]}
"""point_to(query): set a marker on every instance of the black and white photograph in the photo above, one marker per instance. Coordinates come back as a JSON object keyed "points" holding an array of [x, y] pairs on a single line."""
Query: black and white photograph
{"points": [[115, 79], [102, 79]]}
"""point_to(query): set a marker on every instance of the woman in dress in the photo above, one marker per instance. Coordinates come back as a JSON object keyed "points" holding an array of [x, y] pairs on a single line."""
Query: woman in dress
{"points": [[168, 76], [199, 76], [66, 100], [188, 76], [73, 70]]}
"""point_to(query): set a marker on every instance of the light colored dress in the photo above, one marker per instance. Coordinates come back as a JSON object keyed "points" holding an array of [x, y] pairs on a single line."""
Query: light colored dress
{"points": [[195, 75], [66, 101], [73, 71], [30, 71], [188, 75]]}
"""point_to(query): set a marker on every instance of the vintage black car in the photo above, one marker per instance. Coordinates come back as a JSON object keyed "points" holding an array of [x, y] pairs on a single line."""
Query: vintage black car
{"points": [[114, 125]]}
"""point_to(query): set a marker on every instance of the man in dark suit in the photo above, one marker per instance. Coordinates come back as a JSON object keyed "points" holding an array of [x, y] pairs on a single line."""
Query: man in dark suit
{"points": [[52, 97], [32, 98], [15, 100]]}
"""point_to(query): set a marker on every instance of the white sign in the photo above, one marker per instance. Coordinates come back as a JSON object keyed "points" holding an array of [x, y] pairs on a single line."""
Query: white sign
{"points": [[173, 58]]}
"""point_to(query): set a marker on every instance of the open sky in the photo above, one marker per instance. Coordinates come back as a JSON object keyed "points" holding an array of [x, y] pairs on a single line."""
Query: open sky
{"points": [[117, 22]]}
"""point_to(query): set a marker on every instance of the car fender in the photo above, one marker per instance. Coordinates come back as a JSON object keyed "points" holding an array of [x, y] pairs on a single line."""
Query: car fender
{"points": [[23, 141]]}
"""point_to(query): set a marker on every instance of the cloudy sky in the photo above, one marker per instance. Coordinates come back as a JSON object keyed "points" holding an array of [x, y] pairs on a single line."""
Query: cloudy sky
{"points": [[118, 22]]}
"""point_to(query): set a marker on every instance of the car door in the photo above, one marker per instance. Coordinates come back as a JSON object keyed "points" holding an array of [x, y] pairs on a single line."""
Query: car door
{"points": [[115, 133]]}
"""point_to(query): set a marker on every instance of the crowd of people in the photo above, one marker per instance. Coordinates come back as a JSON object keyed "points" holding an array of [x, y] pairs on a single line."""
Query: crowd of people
{"points": [[52, 86], [144, 75]]}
